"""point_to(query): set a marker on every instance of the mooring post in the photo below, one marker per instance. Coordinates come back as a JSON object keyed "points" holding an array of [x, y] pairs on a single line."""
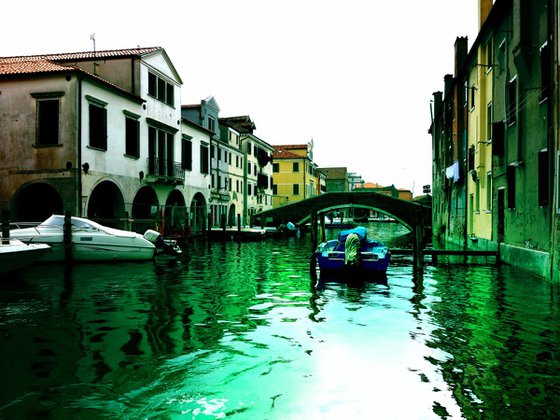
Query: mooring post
{"points": [[313, 261], [67, 236], [223, 223], [5, 227], [418, 252], [323, 235]]}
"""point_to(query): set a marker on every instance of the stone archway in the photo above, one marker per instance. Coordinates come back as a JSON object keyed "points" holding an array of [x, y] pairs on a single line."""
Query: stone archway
{"points": [[231, 216], [175, 213], [145, 210], [106, 204], [198, 212], [35, 203]]}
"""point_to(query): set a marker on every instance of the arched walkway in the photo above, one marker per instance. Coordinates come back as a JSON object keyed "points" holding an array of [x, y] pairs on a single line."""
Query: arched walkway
{"points": [[198, 213], [231, 216], [35, 203], [106, 204], [145, 210], [175, 213]]}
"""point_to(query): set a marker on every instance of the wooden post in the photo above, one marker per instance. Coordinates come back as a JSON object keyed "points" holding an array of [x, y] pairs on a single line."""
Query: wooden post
{"points": [[67, 236], [323, 235], [314, 231], [223, 223], [313, 261], [5, 227], [418, 252]]}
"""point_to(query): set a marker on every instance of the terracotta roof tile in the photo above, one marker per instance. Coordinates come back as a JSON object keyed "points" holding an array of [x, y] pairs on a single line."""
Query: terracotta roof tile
{"points": [[84, 55], [280, 152], [31, 66]]}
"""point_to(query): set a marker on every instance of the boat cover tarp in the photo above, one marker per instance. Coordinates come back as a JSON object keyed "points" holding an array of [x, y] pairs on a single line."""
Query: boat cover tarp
{"points": [[352, 251], [360, 231]]}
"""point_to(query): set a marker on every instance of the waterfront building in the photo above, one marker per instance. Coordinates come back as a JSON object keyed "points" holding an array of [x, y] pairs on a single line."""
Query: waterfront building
{"points": [[222, 206], [478, 106], [336, 179], [509, 139], [355, 180], [95, 133], [448, 153], [295, 175], [256, 163]]}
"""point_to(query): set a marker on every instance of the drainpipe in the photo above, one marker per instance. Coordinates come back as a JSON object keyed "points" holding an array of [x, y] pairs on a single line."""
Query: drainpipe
{"points": [[79, 145], [245, 178]]}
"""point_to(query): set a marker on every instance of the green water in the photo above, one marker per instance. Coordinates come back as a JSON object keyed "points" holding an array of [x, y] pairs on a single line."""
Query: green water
{"points": [[244, 331]]}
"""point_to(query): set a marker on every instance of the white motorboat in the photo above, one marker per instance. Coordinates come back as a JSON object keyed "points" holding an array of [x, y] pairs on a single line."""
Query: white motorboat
{"points": [[16, 255], [90, 241]]}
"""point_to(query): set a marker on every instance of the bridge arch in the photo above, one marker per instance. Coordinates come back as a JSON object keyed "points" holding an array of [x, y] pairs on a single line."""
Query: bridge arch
{"points": [[415, 216], [410, 214]]}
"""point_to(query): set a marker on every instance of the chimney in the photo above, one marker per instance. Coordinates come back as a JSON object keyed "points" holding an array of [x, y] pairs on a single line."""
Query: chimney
{"points": [[484, 7], [461, 52], [437, 101], [448, 85]]}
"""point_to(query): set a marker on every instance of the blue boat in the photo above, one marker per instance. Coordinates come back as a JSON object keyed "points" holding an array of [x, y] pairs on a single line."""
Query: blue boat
{"points": [[353, 251]]}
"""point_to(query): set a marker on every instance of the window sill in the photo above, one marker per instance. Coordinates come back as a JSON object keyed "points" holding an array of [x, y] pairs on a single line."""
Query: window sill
{"points": [[99, 149], [132, 156], [46, 146]]}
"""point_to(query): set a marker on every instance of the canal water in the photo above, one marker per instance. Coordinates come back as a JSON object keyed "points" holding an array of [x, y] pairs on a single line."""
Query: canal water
{"points": [[246, 331]]}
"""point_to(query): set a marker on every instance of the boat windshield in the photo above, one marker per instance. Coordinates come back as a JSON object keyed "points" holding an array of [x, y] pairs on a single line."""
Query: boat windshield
{"points": [[58, 221]]}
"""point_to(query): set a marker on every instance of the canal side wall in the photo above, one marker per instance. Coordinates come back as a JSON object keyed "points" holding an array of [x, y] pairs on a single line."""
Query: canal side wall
{"points": [[536, 262], [531, 260]]}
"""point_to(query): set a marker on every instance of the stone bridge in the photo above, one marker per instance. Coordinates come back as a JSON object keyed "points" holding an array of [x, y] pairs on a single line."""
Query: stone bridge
{"points": [[416, 217]]}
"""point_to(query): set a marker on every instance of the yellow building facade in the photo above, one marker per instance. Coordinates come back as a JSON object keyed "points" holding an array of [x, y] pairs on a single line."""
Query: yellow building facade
{"points": [[295, 176], [478, 103]]}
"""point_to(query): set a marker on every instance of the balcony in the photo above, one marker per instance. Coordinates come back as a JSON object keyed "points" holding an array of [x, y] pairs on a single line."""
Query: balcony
{"points": [[165, 171]]}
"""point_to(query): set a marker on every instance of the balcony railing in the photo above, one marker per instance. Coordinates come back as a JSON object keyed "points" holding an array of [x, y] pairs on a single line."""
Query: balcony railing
{"points": [[166, 169]]}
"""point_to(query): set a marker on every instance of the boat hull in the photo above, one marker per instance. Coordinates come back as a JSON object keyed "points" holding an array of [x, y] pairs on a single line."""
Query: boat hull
{"points": [[17, 255], [334, 261], [89, 242]]}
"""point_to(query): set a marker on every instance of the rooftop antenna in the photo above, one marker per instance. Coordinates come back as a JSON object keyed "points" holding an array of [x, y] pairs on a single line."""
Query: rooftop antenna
{"points": [[92, 37]]}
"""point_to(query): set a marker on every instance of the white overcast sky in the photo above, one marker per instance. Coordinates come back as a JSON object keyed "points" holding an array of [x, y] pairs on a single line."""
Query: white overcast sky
{"points": [[356, 76]]}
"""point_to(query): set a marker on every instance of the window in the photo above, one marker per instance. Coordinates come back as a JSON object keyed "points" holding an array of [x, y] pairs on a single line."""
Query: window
{"points": [[511, 110], [489, 191], [510, 179], [249, 146], [470, 162], [152, 84], [489, 57], [295, 167], [543, 178], [274, 189], [204, 160], [295, 189], [186, 153], [545, 71], [472, 96], [248, 189], [47, 122], [275, 167], [132, 127], [160, 89], [489, 122], [477, 189], [212, 124], [498, 139], [97, 126]]}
